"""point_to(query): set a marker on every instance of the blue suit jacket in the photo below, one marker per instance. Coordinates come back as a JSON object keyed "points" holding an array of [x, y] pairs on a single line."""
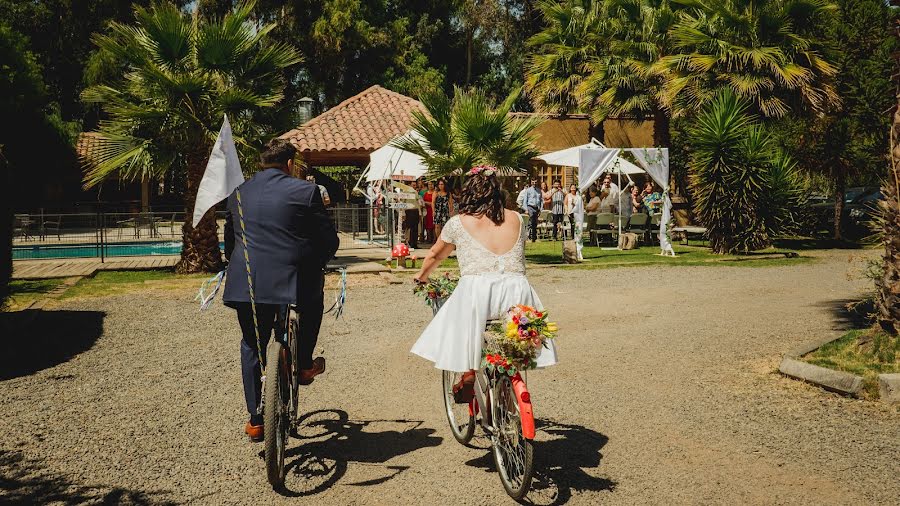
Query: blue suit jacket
{"points": [[289, 233]]}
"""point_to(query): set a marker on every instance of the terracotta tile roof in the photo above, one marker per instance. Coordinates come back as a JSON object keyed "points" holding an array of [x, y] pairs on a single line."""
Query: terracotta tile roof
{"points": [[363, 122]]}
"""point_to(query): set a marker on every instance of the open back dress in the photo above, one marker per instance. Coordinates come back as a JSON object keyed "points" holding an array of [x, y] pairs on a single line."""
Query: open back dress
{"points": [[489, 285]]}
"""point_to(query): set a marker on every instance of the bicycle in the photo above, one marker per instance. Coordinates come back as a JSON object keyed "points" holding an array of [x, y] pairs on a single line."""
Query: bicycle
{"points": [[502, 404], [281, 385]]}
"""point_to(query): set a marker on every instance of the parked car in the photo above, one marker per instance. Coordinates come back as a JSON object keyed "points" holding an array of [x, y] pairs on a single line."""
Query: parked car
{"points": [[860, 203]]}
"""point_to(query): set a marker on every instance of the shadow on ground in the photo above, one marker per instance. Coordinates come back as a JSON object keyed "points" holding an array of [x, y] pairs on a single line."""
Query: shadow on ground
{"points": [[25, 481], [562, 454], [34, 340], [851, 314], [329, 440]]}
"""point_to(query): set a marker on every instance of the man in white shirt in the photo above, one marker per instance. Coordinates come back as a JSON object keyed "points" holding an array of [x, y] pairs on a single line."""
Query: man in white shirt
{"points": [[609, 195]]}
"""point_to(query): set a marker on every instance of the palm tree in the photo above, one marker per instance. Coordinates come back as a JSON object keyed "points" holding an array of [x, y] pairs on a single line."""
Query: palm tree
{"points": [[743, 187], [556, 65], [174, 79], [888, 299], [623, 80], [765, 51], [453, 135]]}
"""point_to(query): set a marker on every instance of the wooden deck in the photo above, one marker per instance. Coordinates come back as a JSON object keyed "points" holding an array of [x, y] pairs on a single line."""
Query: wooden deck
{"points": [[67, 267]]}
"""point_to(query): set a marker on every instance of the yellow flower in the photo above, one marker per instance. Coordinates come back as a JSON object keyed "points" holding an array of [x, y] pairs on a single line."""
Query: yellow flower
{"points": [[551, 327]]}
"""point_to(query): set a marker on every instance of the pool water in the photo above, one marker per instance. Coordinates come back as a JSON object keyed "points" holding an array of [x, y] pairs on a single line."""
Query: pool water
{"points": [[93, 250]]}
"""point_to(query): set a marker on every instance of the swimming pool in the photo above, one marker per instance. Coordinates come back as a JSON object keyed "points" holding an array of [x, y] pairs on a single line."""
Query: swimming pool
{"points": [[41, 251]]}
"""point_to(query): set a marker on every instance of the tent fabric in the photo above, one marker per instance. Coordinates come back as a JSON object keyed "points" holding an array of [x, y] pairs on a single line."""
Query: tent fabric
{"points": [[593, 163], [571, 157], [389, 162], [656, 162]]}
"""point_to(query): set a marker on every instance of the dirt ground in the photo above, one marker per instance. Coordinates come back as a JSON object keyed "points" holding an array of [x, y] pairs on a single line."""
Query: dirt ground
{"points": [[666, 394]]}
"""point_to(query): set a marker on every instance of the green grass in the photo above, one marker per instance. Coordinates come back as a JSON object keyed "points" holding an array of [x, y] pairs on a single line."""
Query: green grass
{"points": [[550, 253], [878, 354], [23, 292], [117, 282]]}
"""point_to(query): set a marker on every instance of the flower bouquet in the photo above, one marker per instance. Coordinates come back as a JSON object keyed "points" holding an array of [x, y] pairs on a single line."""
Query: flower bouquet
{"points": [[513, 344], [436, 290]]}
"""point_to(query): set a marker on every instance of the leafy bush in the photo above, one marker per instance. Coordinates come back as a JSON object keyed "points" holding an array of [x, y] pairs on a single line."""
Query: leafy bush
{"points": [[745, 189]]}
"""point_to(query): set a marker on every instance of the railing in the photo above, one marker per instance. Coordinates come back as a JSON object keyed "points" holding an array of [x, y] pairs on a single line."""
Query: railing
{"points": [[101, 234]]}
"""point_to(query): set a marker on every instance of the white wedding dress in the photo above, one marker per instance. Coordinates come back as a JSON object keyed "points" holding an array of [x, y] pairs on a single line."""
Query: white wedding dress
{"points": [[489, 285]]}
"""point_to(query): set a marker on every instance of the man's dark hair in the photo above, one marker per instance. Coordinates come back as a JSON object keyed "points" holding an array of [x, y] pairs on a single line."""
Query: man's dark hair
{"points": [[277, 153]]}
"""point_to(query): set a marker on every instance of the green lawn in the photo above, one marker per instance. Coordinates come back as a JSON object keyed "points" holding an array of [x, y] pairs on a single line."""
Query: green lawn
{"points": [[550, 253], [116, 282], [866, 353], [23, 292]]}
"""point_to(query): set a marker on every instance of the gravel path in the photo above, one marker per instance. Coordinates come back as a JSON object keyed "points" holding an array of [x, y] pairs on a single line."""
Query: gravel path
{"points": [[666, 393]]}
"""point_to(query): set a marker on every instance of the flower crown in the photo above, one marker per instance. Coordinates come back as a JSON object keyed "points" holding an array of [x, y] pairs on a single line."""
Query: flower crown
{"points": [[486, 170]]}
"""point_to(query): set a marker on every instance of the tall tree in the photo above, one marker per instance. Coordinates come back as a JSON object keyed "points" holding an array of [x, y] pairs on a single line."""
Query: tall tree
{"points": [[178, 79]]}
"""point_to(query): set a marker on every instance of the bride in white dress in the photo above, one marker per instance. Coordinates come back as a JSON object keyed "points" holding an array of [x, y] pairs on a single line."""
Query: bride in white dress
{"points": [[490, 246]]}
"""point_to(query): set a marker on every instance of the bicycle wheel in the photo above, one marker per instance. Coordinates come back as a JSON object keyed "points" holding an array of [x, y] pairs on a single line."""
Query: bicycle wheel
{"points": [[513, 453], [276, 412], [462, 424], [293, 340]]}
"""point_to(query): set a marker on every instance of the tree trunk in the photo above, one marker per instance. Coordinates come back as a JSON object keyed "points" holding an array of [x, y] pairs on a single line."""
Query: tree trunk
{"points": [[840, 189], [200, 249], [596, 131], [662, 138], [888, 287]]}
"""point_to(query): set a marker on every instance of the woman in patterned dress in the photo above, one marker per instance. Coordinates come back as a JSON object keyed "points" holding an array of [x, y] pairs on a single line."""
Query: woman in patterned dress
{"points": [[443, 207]]}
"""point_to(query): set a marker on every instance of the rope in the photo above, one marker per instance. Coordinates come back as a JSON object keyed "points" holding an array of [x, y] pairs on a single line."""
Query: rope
{"points": [[207, 300], [262, 366], [338, 307]]}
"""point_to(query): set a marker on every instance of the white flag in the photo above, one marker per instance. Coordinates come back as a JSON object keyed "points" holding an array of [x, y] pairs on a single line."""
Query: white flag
{"points": [[223, 174]]}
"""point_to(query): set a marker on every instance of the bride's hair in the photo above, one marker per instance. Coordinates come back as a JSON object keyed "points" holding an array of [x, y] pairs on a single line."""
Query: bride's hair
{"points": [[482, 196]]}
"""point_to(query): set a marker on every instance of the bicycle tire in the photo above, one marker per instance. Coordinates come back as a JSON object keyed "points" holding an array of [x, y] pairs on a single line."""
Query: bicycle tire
{"points": [[513, 453], [462, 424], [275, 413], [293, 341]]}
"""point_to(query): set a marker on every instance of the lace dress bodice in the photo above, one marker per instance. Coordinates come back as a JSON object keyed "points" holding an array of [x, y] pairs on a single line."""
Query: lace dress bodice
{"points": [[475, 259]]}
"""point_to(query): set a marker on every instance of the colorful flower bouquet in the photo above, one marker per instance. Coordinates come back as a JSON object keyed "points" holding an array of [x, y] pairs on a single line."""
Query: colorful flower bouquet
{"points": [[513, 345], [436, 290]]}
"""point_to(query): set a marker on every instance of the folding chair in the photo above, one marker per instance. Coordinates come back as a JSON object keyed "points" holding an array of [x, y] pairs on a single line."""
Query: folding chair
{"points": [[603, 227], [545, 223], [638, 225]]}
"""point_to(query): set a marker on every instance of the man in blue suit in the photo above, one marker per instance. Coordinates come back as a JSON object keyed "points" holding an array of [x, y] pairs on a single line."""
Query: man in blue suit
{"points": [[291, 238]]}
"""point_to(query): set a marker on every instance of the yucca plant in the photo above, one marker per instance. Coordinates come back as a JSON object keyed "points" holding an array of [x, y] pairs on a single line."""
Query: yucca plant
{"points": [[174, 78], [744, 189], [453, 135], [765, 51]]}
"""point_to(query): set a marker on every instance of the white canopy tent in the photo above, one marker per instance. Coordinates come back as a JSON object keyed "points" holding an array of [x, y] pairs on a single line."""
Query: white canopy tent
{"points": [[389, 162], [654, 161], [571, 157]]}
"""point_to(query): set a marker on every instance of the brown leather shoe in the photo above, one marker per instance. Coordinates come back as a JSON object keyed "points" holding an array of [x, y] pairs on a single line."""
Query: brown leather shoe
{"points": [[308, 375], [254, 431]]}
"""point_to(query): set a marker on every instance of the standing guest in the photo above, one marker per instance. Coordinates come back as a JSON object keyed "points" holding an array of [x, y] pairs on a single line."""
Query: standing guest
{"points": [[574, 205], [609, 195], [557, 207], [546, 198], [531, 204], [377, 205], [443, 207], [592, 208], [637, 203], [455, 196], [325, 198], [520, 199], [652, 198], [428, 197], [422, 208], [411, 220]]}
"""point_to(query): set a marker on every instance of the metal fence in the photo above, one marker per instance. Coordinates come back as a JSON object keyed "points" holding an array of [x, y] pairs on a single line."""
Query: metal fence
{"points": [[102, 234]]}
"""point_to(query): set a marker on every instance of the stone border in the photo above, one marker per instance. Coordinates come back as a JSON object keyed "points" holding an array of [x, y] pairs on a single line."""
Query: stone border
{"points": [[836, 381]]}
